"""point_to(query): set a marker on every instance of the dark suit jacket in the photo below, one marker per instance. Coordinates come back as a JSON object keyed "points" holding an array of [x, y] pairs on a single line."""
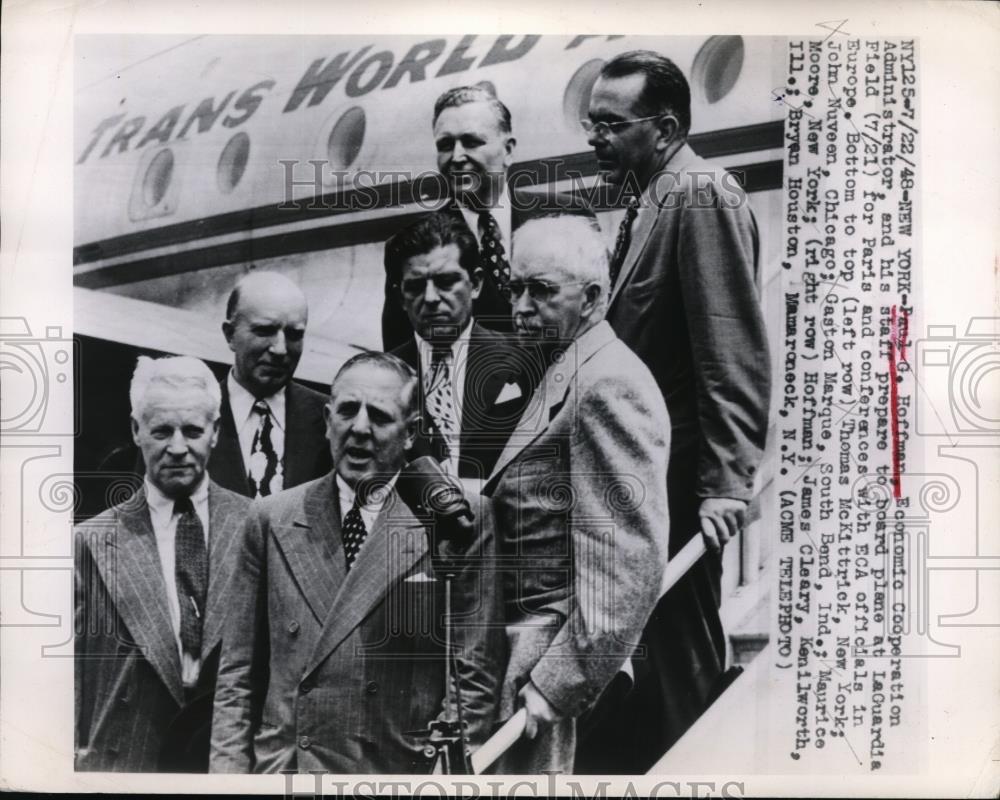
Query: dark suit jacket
{"points": [[686, 303], [131, 711], [354, 659], [493, 364], [579, 495], [307, 451], [491, 308]]}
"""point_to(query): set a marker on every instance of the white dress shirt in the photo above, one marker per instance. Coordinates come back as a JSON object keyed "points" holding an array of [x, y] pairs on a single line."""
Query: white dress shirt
{"points": [[248, 421], [161, 513], [501, 213], [459, 363]]}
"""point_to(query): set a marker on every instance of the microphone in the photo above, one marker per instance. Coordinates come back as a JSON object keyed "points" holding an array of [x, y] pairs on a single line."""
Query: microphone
{"points": [[438, 499]]}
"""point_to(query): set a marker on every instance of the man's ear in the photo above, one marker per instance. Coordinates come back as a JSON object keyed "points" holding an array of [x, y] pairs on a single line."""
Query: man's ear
{"points": [[326, 418], [668, 128], [215, 432], [476, 279], [509, 144], [135, 430], [228, 329], [411, 430], [592, 298]]}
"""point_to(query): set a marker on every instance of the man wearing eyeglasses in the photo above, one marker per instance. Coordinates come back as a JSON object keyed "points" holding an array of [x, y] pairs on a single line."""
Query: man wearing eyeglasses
{"points": [[683, 298], [579, 495], [475, 151], [474, 382]]}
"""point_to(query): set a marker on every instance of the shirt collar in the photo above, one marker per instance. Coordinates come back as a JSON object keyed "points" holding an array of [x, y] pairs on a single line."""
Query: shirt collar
{"points": [[375, 503], [241, 403], [426, 349], [162, 506]]}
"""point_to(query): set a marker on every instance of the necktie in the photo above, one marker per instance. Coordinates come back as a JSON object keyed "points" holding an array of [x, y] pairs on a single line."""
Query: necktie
{"points": [[440, 395], [265, 472], [354, 532], [491, 247], [191, 575], [624, 240]]}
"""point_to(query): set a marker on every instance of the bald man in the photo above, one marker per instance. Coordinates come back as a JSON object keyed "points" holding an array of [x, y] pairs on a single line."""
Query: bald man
{"points": [[271, 430]]}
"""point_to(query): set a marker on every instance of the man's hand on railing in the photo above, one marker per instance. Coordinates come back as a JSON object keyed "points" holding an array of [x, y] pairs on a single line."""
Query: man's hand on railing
{"points": [[722, 518], [541, 713]]}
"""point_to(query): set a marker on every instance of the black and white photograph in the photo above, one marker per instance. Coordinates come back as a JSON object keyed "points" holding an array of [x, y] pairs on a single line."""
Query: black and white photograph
{"points": [[450, 409]]}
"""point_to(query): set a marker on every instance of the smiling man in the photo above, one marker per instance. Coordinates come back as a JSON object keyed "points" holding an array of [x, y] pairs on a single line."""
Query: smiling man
{"points": [[337, 659], [474, 382], [271, 429], [152, 579], [475, 151], [684, 299]]}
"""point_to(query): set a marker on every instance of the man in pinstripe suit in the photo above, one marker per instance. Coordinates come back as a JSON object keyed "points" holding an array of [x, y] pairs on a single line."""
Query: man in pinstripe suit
{"points": [[152, 579], [338, 605]]}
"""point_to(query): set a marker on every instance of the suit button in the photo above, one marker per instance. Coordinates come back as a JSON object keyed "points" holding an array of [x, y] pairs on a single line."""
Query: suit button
{"points": [[305, 687], [371, 687], [123, 700], [751, 470], [305, 742], [293, 627]]}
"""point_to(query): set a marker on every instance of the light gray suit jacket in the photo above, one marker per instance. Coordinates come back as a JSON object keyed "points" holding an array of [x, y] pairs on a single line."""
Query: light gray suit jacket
{"points": [[128, 670], [342, 671], [579, 495]]}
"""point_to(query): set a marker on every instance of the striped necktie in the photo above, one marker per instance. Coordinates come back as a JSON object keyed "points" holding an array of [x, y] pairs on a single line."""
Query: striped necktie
{"points": [[624, 240]]}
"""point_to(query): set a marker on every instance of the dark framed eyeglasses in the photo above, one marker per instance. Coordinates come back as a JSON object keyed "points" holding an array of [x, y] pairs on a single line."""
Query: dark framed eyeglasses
{"points": [[537, 289], [605, 129]]}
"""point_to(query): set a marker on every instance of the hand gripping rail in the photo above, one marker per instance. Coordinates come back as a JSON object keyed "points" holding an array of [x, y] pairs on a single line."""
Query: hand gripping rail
{"points": [[501, 741]]}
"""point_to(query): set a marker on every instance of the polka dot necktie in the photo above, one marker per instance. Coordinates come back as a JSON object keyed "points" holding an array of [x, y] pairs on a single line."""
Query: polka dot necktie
{"points": [[265, 471], [624, 240], [190, 574], [440, 396], [491, 246], [354, 532]]}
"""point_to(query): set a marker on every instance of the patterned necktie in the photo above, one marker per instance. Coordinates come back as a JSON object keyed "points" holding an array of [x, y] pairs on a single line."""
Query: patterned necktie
{"points": [[191, 575], [353, 532], [494, 257], [624, 239], [440, 396], [265, 472]]}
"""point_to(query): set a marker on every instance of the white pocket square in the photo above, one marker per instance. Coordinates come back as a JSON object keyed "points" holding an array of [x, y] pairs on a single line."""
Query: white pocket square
{"points": [[510, 391], [419, 577]]}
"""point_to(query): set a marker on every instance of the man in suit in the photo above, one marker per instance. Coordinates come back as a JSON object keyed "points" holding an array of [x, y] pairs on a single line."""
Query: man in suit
{"points": [[579, 495], [684, 299], [338, 664], [152, 586], [475, 150], [473, 382], [271, 428]]}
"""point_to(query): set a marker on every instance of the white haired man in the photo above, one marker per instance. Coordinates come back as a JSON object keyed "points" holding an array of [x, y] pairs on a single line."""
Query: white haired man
{"points": [[579, 495], [152, 575]]}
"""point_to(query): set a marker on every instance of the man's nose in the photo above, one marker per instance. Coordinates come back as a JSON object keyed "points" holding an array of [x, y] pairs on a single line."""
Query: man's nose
{"points": [[361, 425], [279, 345], [458, 152], [177, 444], [431, 293], [594, 139], [522, 304]]}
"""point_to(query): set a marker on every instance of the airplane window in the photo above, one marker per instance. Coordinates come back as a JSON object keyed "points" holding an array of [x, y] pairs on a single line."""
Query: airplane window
{"points": [[717, 67], [576, 98], [157, 178], [233, 162], [346, 138]]}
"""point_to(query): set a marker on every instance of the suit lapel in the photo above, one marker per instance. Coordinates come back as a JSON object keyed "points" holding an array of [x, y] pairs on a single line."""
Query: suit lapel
{"points": [[226, 464], [299, 439], [130, 569], [394, 545], [312, 547], [551, 395], [225, 521]]}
